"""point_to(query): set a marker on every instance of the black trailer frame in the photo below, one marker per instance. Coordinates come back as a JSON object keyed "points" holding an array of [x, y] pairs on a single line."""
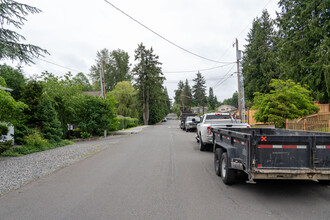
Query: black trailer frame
{"points": [[269, 153]]}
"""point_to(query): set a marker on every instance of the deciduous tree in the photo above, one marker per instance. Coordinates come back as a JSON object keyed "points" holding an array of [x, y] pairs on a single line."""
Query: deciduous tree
{"points": [[287, 100]]}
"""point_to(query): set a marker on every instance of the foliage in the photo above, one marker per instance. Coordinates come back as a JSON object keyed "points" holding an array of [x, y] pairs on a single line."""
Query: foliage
{"points": [[176, 109], [5, 146], [85, 135], [127, 123], [81, 80], [10, 110], [29, 149], [125, 95], [152, 96], [178, 93], [212, 99], [3, 129], [304, 44], [14, 79], [186, 95], [287, 100], [260, 63], [116, 68], [13, 13], [199, 91], [94, 114], [36, 140], [233, 101], [49, 125], [62, 92]]}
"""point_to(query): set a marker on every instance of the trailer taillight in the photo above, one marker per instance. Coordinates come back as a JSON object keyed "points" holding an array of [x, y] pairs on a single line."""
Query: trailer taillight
{"points": [[209, 132]]}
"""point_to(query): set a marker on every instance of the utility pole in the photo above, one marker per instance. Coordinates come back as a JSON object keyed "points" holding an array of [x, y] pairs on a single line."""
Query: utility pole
{"points": [[239, 81], [241, 99]]}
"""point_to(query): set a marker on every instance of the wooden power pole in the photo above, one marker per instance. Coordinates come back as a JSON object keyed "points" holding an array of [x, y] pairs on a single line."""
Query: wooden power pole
{"points": [[102, 80]]}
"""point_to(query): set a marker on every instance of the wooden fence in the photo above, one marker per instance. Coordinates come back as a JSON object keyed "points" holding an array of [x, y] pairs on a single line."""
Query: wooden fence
{"points": [[308, 125]]}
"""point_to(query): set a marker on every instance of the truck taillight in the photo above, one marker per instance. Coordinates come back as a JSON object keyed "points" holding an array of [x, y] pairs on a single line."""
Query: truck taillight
{"points": [[248, 126], [209, 132]]}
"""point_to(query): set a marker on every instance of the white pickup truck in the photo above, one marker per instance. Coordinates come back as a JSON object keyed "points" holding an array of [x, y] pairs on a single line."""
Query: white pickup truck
{"points": [[216, 120]]}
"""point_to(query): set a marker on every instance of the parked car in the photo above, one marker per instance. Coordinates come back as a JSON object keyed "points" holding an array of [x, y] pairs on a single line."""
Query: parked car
{"points": [[164, 120], [191, 123]]}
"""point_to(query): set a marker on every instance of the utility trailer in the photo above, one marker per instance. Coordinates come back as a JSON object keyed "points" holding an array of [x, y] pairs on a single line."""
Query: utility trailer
{"points": [[270, 153]]}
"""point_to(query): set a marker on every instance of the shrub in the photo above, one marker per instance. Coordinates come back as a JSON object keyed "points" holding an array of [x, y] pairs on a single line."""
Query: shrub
{"points": [[3, 129], [35, 140], [131, 125], [5, 146], [85, 135]]}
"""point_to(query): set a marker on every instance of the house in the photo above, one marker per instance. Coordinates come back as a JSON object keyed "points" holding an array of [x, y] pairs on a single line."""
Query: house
{"points": [[226, 108], [199, 110]]}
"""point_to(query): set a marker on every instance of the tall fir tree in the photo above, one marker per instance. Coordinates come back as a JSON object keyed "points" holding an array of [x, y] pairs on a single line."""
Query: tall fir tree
{"points": [[149, 82], [260, 63], [186, 95], [304, 44], [178, 92], [199, 91]]}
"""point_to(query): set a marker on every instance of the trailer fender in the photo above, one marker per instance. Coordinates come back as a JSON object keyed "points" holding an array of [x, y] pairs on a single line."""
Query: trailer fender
{"points": [[231, 151]]}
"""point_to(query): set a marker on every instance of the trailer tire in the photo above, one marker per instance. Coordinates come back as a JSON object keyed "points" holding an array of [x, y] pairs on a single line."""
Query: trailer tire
{"points": [[324, 182], [187, 130], [217, 156], [228, 175], [202, 145]]}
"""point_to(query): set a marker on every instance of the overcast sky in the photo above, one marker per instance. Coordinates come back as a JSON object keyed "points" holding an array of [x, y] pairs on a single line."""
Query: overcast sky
{"points": [[73, 31]]}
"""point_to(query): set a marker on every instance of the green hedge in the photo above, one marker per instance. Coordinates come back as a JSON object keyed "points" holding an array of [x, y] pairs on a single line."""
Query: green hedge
{"points": [[127, 123]]}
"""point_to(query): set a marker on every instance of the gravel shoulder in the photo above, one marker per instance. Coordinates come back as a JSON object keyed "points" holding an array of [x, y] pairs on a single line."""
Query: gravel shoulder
{"points": [[15, 172]]}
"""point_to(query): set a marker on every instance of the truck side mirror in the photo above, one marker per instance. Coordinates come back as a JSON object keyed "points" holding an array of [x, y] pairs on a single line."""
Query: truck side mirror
{"points": [[193, 120]]}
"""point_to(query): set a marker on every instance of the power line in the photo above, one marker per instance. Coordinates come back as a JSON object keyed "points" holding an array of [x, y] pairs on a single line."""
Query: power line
{"points": [[223, 79], [193, 71], [171, 42], [68, 68]]}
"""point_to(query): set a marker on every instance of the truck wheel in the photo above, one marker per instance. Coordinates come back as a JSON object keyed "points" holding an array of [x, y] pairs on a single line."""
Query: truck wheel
{"points": [[217, 156], [203, 146], [324, 182], [228, 176]]}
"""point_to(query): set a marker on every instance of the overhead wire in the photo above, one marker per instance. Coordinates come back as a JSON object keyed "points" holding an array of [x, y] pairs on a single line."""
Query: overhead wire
{"points": [[159, 35], [193, 71], [223, 79]]}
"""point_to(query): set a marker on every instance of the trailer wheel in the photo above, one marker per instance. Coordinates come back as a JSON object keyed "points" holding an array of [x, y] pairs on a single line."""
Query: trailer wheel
{"points": [[217, 156], [187, 130], [203, 146], [324, 182], [228, 176]]}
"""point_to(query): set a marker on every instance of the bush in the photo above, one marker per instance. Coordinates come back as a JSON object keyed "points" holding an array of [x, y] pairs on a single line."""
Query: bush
{"points": [[85, 135], [127, 123], [131, 125], [3, 129], [35, 140], [5, 146]]}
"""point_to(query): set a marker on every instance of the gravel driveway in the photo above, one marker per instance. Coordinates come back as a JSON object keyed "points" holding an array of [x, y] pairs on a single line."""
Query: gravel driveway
{"points": [[18, 171]]}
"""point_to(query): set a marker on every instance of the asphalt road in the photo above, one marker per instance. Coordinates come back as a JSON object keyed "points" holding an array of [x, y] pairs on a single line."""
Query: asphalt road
{"points": [[159, 173]]}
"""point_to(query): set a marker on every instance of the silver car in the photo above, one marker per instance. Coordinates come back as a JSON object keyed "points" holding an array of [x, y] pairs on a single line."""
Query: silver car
{"points": [[191, 123]]}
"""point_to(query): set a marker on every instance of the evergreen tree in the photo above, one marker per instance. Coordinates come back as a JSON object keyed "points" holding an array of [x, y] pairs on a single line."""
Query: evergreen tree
{"points": [[199, 91], [212, 100], [13, 13], [149, 82], [186, 95], [260, 63], [50, 126], [116, 68], [304, 44], [178, 93]]}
